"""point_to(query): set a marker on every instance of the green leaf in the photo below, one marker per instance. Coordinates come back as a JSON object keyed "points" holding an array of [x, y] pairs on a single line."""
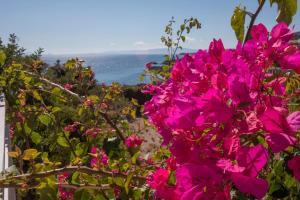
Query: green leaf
{"points": [[89, 178], [27, 129], [62, 141], [286, 10], [183, 38], [128, 179], [80, 149], [135, 157], [118, 181], [13, 154], [35, 137], [30, 154], [182, 27], [172, 178], [94, 98], [75, 178], [44, 119], [56, 109], [238, 23], [70, 64], [2, 57], [82, 195], [137, 194], [47, 193], [36, 95]]}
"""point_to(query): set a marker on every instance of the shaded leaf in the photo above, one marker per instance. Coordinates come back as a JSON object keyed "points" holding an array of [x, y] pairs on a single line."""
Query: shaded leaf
{"points": [[62, 141], [286, 10], [36, 95], [36, 137], [128, 179], [44, 119]]}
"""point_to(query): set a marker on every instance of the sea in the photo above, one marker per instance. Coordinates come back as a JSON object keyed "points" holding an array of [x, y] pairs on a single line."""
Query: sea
{"points": [[124, 69]]}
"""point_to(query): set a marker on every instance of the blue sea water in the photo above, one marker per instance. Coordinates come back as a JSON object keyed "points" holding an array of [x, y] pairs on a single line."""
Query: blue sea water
{"points": [[124, 69]]}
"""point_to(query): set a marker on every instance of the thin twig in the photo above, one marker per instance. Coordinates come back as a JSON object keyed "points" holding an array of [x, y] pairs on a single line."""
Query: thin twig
{"points": [[53, 84], [84, 186], [253, 18], [70, 169]]}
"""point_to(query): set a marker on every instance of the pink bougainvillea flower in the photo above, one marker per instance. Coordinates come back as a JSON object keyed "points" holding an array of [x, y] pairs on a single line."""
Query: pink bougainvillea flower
{"points": [[280, 134], [254, 186], [294, 120], [253, 122], [279, 141], [93, 132], [291, 62], [159, 181], [259, 32], [294, 165], [88, 103], [228, 165], [216, 48], [171, 163], [253, 159], [149, 65], [68, 86], [190, 175], [133, 141], [71, 128], [99, 158], [238, 90], [231, 144], [62, 192], [20, 117], [213, 106], [281, 31], [219, 81]]}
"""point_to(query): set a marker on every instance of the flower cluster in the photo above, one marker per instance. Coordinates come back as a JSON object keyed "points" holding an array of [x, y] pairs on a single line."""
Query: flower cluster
{"points": [[216, 106], [71, 128], [64, 193], [99, 158], [133, 141], [93, 132], [68, 86]]}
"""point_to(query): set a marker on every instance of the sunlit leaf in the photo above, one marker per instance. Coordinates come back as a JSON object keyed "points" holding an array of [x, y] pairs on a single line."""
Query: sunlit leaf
{"points": [[238, 23], [36, 137], [44, 119], [30, 154], [2, 57]]}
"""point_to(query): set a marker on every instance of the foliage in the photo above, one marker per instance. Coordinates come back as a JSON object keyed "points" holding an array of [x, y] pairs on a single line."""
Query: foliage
{"points": [[61, 121], [229, 119]]}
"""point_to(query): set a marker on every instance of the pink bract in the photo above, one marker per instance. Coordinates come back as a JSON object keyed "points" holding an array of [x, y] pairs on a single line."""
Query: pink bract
{"points": [[294, 165], [220, 111]]}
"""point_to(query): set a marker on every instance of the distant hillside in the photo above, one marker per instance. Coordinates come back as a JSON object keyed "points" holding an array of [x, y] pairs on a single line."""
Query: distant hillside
{"points": [[151, 51], [159, 51]]}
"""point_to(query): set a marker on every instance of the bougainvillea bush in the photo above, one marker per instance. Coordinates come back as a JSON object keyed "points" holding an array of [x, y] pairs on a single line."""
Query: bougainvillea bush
{"points": [[230, 119]]}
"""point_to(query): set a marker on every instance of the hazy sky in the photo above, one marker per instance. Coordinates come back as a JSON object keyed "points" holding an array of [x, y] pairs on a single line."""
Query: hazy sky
{"points": [[91, 26]]}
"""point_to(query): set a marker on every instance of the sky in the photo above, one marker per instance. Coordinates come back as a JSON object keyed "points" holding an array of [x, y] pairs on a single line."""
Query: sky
{"points": [[95, 26]]}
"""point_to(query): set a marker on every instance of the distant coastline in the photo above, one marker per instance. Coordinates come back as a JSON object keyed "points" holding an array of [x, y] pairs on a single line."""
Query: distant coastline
{"points": [[124, 67]]}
